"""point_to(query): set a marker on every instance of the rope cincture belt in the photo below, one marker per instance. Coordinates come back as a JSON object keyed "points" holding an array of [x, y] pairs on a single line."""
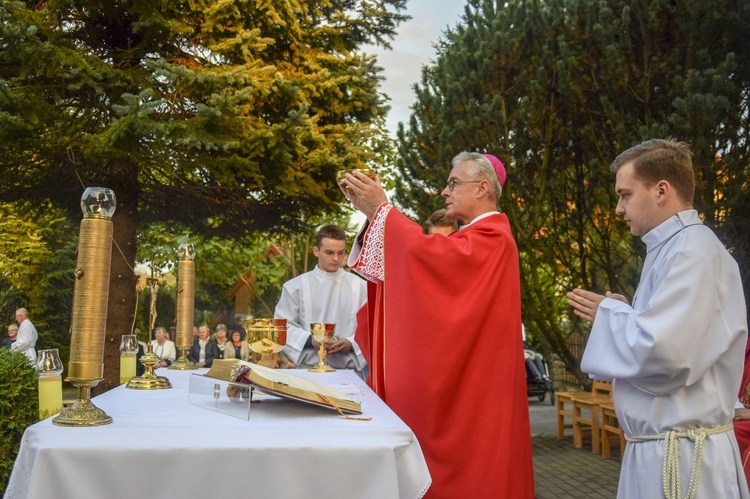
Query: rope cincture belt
{"points": [[671, 465]]}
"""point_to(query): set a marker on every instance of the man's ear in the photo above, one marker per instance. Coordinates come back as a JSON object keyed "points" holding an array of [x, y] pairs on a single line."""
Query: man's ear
{"points": [[663, 189], [484, 187]]}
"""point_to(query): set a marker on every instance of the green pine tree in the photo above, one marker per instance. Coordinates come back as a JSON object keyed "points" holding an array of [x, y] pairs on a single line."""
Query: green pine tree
{"points": [[556, 89], [222, 116]]}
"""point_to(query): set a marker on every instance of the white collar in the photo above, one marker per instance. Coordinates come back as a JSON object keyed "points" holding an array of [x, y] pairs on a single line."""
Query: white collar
{"points": [[668, 228], [480, 217], [322, 274]]}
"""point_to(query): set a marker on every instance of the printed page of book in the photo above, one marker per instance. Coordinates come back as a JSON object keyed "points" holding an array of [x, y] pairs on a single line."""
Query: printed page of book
{"points": [[295, 381]]}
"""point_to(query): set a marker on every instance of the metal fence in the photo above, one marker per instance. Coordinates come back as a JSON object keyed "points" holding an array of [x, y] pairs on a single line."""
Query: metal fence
{"points": [[564, 379]]}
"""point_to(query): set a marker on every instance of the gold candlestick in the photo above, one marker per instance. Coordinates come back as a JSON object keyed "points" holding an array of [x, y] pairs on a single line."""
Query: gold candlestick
{"points": [[148, 380], [89, 318], [49, 366], [185, 306]]}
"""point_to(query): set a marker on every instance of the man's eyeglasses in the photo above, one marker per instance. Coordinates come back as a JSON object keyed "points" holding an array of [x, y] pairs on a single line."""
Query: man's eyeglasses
{"points": [[452, 183]]}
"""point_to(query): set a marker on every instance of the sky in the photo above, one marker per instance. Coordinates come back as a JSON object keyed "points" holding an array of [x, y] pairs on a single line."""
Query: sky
{"points": [[413, 48]]}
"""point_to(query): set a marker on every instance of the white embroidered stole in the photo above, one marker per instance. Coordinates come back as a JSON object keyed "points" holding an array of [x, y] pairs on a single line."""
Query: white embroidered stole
{"points": [[371, 263]]}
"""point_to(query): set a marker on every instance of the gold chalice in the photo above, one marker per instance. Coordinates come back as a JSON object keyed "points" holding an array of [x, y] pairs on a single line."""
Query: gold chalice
{"points": [[322, 333], [341, 173]]}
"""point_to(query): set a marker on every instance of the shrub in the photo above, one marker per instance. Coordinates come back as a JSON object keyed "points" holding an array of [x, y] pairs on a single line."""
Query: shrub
{"points": [[19, 406]]}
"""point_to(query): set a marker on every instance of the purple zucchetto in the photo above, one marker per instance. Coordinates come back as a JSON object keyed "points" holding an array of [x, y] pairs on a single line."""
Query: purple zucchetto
{"points": [[499, 168]]}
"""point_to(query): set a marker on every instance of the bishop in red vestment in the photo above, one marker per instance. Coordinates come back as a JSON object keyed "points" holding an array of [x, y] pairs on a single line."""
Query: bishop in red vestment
{"points": [[445, 345]]}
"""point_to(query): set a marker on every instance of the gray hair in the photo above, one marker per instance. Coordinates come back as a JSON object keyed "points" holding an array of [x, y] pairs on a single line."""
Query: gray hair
{"points": [[480, 168]]}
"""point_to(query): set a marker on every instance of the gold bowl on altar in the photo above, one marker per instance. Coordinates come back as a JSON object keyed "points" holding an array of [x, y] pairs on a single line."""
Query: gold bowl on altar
{"points": [[266, 347], [365, 171], [270, 329]]}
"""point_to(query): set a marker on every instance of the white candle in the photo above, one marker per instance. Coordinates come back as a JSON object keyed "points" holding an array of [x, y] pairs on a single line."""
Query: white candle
{"points": [[50, 395]]}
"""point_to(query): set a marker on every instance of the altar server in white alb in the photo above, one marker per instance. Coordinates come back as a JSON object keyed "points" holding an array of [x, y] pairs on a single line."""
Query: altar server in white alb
{"points": [[329, 294], [676, 354]]}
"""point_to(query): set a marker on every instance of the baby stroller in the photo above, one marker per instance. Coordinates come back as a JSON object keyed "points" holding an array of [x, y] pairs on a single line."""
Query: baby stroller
{"points": [[538, 382]]}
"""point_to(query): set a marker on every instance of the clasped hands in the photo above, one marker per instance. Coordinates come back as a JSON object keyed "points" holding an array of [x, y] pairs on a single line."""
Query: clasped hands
{"points": [[586, 303], [363, 192]]}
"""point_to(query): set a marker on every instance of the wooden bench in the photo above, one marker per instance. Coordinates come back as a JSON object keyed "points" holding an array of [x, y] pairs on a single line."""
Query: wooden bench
{"points": [[612, 434], [565, 403], [586, 420]]}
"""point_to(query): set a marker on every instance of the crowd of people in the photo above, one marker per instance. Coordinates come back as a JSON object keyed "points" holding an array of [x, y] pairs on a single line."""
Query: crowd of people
{"points": [[206, 346]]}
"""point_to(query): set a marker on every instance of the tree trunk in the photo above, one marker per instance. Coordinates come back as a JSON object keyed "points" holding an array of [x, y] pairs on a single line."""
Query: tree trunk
{"points": [[122, 280]]}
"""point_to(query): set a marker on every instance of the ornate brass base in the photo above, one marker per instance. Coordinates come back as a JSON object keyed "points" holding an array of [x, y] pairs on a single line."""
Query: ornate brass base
{"points": [[148, 380], [183, 363], [321, 366], [82, 412]]}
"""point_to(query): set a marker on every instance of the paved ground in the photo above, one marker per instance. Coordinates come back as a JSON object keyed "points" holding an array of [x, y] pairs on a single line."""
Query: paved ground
{"points": [[560, 470]]}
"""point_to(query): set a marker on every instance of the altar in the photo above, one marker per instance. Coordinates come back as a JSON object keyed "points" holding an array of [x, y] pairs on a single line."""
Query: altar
{"points": [[160, 445]]}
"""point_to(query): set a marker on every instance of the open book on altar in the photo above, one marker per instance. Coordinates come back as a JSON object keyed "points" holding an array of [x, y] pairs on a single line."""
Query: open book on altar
{"points": [[282, 384]]}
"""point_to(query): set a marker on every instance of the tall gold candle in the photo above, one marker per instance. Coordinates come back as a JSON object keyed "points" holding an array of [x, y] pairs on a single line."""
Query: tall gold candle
{"points": [[90, 300], [185, 306], [90, 295]]}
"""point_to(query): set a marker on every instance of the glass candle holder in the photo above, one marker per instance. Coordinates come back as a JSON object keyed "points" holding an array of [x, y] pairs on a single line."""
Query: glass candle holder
{"points": [[128, 353], [49, 367]]}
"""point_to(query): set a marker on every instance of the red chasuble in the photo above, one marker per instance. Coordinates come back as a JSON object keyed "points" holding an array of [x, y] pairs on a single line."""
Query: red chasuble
{"points": [[742, 428], [446, 352]]}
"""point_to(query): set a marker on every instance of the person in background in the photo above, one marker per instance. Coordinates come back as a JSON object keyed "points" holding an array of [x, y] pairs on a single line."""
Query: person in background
{"points": [[137, 333], [439, 224], [222, 341], [27, 336], [237, 348], [204, 349], [163, 348], [329, 294], [448, 320], [675, 355], [12, 333]]}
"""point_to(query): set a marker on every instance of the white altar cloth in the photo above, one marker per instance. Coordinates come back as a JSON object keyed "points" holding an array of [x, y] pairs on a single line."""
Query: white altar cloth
{"points": [[160, 446]]}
